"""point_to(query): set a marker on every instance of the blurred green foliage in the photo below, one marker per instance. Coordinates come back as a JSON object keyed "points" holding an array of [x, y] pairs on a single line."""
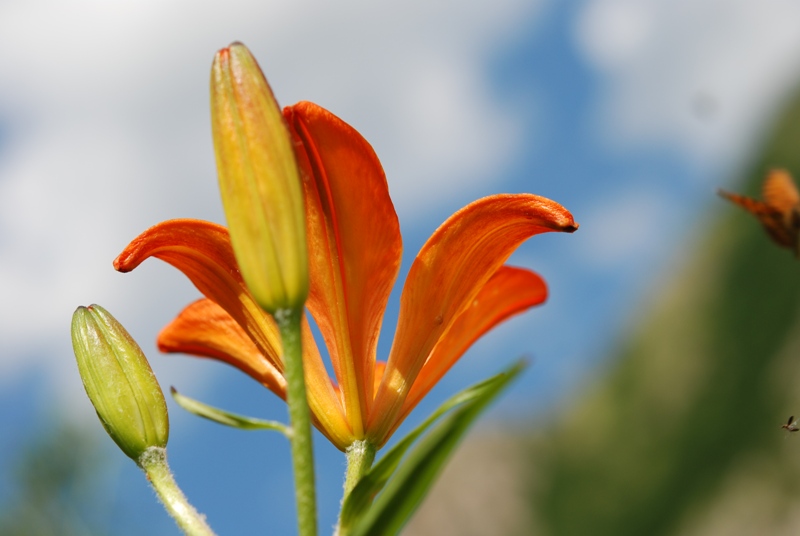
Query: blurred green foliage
{"points": [[54, 484], [682, 434]]}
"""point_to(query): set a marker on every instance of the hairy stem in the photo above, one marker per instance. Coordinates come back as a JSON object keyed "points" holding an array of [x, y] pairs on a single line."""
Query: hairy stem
{"points": [[360, 456], [154, 463], [300, 420]]}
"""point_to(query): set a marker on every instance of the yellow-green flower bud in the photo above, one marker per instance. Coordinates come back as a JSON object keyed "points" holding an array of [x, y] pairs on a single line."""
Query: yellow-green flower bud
{"points": [[259, 181], [119, 382]]}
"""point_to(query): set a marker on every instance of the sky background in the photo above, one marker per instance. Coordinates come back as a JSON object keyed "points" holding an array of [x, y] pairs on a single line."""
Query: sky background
{"points": [[630, 113]]}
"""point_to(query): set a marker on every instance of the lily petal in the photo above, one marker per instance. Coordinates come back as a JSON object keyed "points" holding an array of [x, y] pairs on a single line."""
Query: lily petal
{"points": [[450, 269], [354, 246], [508, 292], [204, 329], [202, 251]]}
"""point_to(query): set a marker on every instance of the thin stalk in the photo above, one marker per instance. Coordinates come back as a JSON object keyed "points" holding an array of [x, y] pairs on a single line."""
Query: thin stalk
{"points": [[360, 456], [300, 419], [154, 463]]}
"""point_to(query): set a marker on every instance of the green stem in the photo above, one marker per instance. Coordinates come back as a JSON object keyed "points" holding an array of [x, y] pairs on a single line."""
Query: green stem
{"points": [[154, 463], [300, 419], [360, 456]]}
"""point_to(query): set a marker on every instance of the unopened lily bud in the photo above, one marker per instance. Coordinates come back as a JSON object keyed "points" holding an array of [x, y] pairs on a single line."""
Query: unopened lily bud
{"points": [[259, 181], [119, 382]]}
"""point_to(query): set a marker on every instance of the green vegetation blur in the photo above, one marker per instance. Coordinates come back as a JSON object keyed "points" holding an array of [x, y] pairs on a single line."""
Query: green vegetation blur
{"points": [[56, 488], [682, 435]]}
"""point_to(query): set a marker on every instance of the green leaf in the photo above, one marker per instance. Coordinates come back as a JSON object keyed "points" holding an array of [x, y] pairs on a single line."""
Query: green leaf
{"points": [[372, 483], [407, 484], [224, 417]]}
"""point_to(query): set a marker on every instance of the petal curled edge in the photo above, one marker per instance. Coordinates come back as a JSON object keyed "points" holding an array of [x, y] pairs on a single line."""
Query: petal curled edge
{"points": [[508, 292], [202, 251], [450, 269], [204, 329], [354, 246]]}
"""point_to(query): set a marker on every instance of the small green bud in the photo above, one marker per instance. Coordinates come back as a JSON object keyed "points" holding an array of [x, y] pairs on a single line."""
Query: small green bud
{"points": [[259, 182], [119, 382]]}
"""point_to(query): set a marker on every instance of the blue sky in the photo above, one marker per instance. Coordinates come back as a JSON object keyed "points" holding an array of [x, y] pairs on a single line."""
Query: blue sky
{"points": [[629, 113]]}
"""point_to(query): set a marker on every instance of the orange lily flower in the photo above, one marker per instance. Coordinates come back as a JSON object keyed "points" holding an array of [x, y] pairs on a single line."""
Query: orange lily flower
{"points": [[457, 288]]}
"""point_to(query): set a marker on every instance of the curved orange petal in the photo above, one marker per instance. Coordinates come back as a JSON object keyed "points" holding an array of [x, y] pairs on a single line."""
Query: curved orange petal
{"points": [[204, 329], [508, 292], [354, 246], [202, 251], [450, 269], [380, 366]]}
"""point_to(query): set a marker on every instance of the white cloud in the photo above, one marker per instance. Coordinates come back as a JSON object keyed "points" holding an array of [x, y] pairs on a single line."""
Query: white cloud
{"points": [[106, 109], [699, 75], [627, 225]]}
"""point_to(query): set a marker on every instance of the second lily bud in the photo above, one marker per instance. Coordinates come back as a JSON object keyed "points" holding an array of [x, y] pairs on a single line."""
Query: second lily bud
{"points": [[259, 181], [119, 382]]}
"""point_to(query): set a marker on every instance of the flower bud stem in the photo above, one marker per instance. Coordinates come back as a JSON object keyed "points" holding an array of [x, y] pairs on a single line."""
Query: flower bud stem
{"points": [[302, 449], [360, 456], [154, 463]]}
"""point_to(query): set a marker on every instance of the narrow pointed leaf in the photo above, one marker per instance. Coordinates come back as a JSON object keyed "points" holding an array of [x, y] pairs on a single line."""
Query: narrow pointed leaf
{"points": [[413, 479], [224, 417]]}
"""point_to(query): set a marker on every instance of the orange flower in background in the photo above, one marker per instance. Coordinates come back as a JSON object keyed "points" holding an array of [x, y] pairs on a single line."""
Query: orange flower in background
{"points": [[456, 290], [779, 212]]}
